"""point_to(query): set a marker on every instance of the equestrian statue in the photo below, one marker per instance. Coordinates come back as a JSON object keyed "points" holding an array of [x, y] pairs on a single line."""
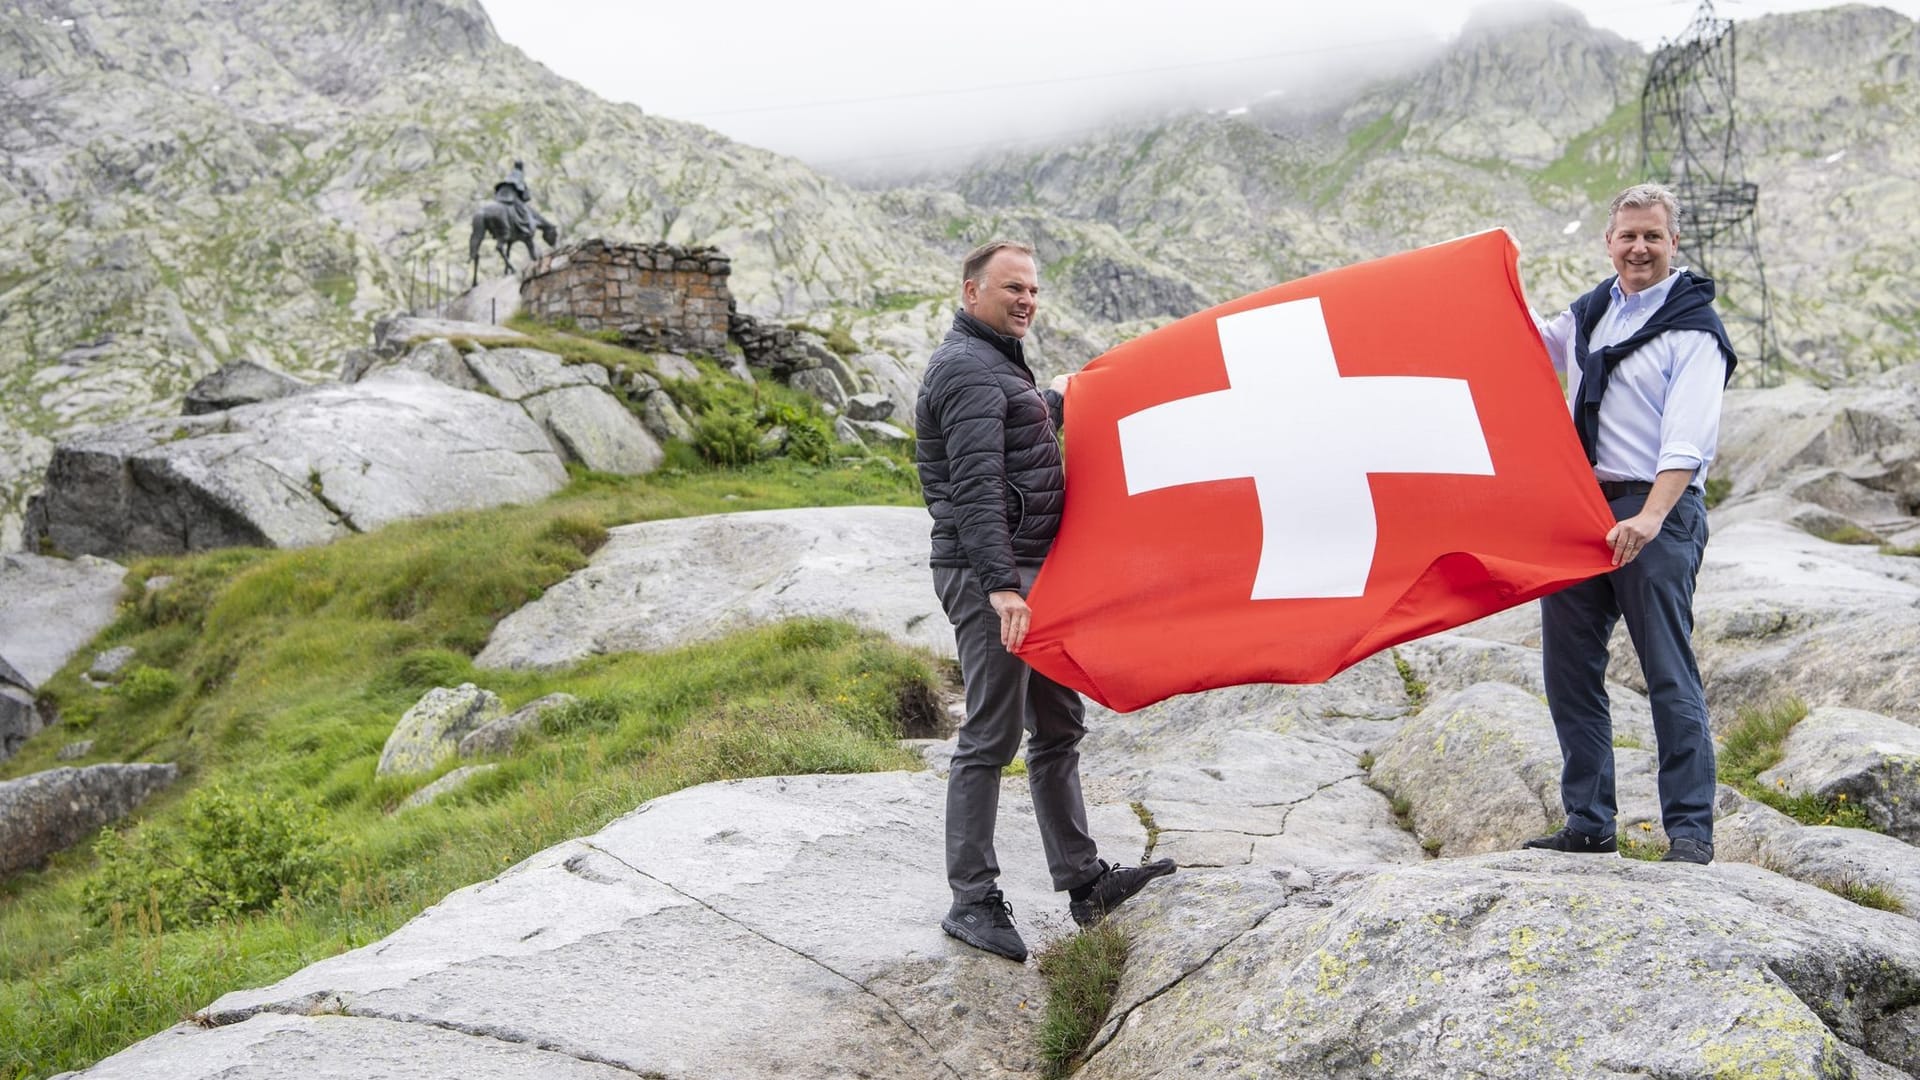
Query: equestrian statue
{"points": [[509, 219]]}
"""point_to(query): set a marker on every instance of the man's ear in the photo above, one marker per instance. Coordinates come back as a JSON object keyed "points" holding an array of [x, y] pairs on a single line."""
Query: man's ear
{"points": [[969, 292]]}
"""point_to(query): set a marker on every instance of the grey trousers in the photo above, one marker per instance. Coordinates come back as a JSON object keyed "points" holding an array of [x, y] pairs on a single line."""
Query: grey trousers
{"points": [[1004, 695]]}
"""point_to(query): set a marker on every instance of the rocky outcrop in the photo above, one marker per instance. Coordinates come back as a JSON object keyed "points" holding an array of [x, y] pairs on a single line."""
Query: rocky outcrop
{"points": [[1869, 760], [49, 610], [453, 781], [53, 810], [241, 382], [573, 403], [697, 888], [1439, 968], [665, 583], [1829, 856], [1470, 968], [293, 472], [498, 736], [431, 731], [1480, 770]]}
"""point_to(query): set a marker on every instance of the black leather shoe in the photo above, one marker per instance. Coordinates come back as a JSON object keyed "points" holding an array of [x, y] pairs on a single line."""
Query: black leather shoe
{"points": [[987, 924], [1112, 888], [1687, 849], [1578, 843]]}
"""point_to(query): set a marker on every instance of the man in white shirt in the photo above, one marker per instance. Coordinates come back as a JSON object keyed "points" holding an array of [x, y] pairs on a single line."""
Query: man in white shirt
{"points": [[1646, 361]]}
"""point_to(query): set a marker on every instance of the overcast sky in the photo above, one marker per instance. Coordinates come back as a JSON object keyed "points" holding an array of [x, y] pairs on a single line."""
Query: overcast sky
{"points": [[865, 86]]}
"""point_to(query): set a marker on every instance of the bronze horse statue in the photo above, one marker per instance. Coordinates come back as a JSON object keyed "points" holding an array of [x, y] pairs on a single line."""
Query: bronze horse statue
{"points": [[496, 219]]}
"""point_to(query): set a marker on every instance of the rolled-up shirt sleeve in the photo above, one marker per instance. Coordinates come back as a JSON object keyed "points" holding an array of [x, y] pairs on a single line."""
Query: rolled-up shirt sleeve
{"points": [[1690, 416]]}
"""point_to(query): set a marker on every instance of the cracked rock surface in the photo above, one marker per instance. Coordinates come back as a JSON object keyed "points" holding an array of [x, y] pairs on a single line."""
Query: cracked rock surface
{"points": [[1509, 965], [781, 927]]}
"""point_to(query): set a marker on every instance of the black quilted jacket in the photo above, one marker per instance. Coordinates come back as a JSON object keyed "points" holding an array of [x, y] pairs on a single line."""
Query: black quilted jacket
{"points": [[989, 463]]}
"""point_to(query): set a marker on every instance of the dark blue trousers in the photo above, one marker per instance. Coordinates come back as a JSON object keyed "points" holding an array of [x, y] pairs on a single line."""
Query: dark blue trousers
{"points": [[1654, 594]]}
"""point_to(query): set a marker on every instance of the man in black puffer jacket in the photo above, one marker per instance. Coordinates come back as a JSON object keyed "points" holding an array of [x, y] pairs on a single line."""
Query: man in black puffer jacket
{"points": [[990, 469]]}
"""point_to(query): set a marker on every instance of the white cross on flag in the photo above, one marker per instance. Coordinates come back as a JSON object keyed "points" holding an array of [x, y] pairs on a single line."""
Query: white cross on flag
{"points": [[1276, 488]]}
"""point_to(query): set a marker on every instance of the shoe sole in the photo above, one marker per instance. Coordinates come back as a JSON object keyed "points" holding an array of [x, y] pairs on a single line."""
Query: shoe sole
{"points": [[955, 930]]}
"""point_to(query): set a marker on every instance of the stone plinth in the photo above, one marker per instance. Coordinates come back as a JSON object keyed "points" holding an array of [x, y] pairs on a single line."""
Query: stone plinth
{"points": [[660, 297]]}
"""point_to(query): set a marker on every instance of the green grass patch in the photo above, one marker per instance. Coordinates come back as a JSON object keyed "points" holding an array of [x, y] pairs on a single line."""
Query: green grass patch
{"points": [[1416, 686], [1844, 532], [1718, 488], [1643, 850], [577, 346], [1910, 551], [1082, 973], [1755, 744], [273, 678], [1871, 896]]}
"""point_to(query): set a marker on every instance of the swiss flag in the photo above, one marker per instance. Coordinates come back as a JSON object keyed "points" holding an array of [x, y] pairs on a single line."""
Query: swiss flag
{"points": [[1276, 488]]}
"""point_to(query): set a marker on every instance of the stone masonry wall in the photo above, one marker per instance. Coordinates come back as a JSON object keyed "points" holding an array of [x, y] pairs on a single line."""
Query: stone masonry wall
{"points": [[660, 297]]}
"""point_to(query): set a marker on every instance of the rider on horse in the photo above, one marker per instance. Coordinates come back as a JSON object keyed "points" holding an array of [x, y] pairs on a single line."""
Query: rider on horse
{"points": [[519, 201]]}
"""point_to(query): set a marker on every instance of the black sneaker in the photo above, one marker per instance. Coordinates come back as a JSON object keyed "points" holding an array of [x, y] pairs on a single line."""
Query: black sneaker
{"points": [[1571, 840], [987, 924], [1114, 886], [1687, 849]]}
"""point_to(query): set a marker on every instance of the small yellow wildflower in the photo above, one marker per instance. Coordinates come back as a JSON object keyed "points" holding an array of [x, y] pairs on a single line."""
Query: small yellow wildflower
{"points": [[1646, 826], [1843, 796]]}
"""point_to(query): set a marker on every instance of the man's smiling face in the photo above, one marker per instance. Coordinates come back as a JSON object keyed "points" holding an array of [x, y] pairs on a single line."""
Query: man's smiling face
{"points": [[1642, 244], [1007, 294]]}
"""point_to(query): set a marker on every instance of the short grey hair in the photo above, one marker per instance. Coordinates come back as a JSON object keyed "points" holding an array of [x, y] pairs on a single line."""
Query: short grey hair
{"points": [[975, 264], [1643, 196]]}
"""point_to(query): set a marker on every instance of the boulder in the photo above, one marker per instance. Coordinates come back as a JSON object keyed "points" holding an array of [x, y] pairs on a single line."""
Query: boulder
{"points": [[1869, 760], [1779, 613], [886, 374], [662, 584], [768, 917], [431, 731], [20, 719], [294, 472], [1828, 856], [392, 336], [49, 610], [241, 382], [53, 810], [1473, 967], [822, 383], [663, 418], [499, 736], [437, 359], [489, 303], [872, 407], [596, 430], [453, 781], [870, 433], [1480, 769], [110, 663], [518, 374], [675, 366]]}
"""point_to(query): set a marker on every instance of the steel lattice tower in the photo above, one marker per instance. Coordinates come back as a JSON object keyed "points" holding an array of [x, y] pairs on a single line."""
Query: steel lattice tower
{"points": [[1689, 139]]}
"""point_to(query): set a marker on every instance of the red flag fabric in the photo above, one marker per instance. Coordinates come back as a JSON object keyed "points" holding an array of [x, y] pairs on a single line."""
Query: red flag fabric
{"points": [[1276, 488]]}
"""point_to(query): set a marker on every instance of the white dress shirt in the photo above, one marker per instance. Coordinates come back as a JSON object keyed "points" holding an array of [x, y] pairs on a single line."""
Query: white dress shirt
{"points": [[1662, 406]]}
